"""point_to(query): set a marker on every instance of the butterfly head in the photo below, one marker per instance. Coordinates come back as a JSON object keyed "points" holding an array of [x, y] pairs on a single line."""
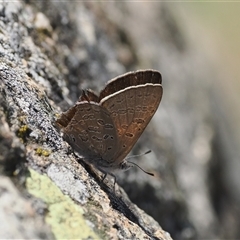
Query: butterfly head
{"points": [[125, 165]]}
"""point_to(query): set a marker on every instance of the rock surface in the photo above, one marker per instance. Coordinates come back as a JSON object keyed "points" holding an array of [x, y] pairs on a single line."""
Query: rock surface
{"points": [[51, 50]]}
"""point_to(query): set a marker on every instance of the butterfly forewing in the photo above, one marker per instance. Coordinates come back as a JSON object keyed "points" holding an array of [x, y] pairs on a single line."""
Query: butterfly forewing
{"points": [[131, 110]]}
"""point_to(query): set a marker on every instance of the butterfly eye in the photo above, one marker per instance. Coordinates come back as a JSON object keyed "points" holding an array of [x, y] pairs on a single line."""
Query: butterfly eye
{"points": [[122, 166], [125, 165]]}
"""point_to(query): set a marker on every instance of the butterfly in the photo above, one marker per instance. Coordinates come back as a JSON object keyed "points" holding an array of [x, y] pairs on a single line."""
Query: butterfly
{"points": [[104, 128]]}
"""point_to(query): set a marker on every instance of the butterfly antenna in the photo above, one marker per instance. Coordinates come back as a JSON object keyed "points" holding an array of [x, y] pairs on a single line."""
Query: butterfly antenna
{"points": [[141, 168], [139, 155]]}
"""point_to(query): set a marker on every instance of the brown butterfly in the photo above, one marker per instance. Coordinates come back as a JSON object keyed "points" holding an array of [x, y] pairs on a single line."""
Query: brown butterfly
{"points": [[103, 129]]}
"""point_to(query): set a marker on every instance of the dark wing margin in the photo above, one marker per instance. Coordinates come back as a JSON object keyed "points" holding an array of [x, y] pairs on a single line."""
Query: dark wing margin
{"points": [[130, 79]]}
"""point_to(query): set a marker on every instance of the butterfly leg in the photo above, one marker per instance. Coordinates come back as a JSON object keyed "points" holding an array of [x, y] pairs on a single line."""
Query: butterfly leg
{"points": [[114, 177], [105, 175]]}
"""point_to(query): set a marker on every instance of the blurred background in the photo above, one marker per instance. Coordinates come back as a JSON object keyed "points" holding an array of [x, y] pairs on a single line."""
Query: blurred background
{"points": [[214, 29]]}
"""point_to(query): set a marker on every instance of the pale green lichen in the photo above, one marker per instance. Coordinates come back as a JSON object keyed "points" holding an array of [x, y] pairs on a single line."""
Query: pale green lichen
{"points": [[64, 216]]}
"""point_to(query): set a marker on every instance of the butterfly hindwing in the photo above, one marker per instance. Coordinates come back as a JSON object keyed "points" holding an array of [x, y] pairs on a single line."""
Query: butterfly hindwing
{"points": [[91, 131]]}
